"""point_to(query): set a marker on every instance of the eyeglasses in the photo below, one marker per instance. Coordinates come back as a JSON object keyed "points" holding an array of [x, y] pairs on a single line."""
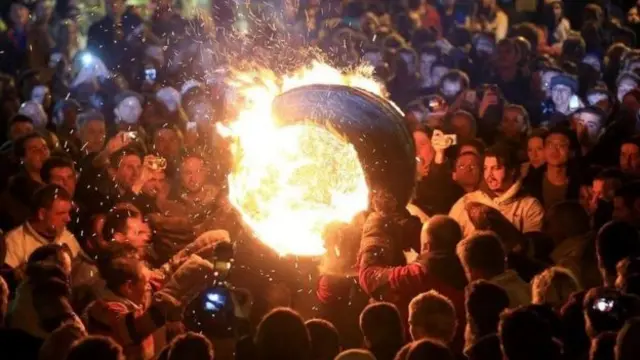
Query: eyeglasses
{"points": [[467, 167]]}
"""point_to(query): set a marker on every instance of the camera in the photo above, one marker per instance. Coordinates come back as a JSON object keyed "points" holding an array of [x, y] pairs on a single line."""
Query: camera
{"points": [[215, 299], [150, 74], [604, 305]]}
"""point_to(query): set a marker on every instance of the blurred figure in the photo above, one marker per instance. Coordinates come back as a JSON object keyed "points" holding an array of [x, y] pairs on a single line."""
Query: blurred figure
{"points": [[382, 329], [615, 241], [190, 346], [32, 151], [484, 302], [97, 348], [48, 220], [554, 286], [432, 316], [325, 341], [23, 46], [110, 38], [483, 257], [630, 157], [525, 335], [487, 16], [279, 324]]}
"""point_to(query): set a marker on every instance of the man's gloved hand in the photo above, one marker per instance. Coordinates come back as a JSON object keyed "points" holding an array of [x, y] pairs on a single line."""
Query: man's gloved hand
{"points": [[481, 215], [204, 246], [189, 280]]}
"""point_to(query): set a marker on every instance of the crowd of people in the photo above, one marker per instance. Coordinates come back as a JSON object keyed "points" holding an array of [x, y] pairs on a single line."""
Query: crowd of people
{"points": [[521, 240]]}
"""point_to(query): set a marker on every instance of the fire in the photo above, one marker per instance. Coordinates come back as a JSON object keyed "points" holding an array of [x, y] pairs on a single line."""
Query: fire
{"points": [[290, 182]]}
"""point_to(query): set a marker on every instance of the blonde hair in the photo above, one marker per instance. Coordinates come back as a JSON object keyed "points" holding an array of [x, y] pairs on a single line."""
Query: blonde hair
{"points": [[554, 286]]}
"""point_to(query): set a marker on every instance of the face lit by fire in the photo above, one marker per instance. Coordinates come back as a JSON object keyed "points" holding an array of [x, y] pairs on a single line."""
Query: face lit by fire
{"points": [[496, 175], [290, 182]]}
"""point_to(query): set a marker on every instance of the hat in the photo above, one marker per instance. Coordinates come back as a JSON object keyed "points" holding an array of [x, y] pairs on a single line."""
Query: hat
{"points": [[128, 107], [170, 97], [566, 80], [35, 112], [121, 96]]}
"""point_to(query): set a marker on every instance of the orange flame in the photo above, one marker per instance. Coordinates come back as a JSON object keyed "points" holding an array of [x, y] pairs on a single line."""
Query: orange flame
{"points": [[290, 182]]}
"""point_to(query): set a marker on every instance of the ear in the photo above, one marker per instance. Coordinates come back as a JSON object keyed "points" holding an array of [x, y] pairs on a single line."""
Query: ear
{"points": [[42, 214]]}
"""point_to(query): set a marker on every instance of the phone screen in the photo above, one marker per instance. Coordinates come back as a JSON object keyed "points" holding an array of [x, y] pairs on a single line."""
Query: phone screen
{"points": [[215, 300], [150, 74]]}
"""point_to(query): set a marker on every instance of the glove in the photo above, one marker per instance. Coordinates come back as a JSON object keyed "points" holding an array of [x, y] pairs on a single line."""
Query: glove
{"points": [[203, 246], [189, 280]]}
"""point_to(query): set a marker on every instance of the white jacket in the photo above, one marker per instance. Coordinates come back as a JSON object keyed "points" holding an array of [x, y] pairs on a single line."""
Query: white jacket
{"points": [[23, 240], [523, 211]]}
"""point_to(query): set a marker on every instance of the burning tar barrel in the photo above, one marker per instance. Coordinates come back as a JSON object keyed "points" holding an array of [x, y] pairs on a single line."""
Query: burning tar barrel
{"points": [[371, 125]]}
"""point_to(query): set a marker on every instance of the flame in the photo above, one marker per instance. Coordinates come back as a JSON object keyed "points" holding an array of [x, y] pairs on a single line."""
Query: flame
{"points": [[290, 182]]}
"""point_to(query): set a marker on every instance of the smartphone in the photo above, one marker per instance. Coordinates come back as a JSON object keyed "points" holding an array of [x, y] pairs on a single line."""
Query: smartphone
{"points": [[604, 305], [215, 300], [471, 96], [150, 74]]}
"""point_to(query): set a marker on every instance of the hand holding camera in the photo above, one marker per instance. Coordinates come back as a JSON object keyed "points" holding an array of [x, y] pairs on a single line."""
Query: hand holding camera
{"points": [[441, 141]]}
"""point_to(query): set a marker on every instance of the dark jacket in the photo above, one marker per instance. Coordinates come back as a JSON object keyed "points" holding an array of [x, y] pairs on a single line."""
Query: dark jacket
{"points": [[485, 348], [22, 51], [108, 42], [437, 193], [16, 200], [105, 194], [533, 183]]}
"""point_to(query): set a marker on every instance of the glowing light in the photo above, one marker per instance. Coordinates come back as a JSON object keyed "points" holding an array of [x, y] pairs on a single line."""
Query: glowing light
{"points": [[87, 59], [289, 182]]}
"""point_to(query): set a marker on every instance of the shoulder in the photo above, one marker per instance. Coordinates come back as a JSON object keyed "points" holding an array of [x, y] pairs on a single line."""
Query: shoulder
{"points": [[104, 310], [530, 203], [15, 233]]}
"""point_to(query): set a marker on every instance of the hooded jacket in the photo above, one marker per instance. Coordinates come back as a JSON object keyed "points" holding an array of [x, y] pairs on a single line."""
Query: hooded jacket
{"points": [[523, 211]]}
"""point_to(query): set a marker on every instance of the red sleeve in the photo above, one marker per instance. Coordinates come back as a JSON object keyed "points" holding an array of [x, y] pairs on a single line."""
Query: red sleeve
{"points": [[332, 288], [396, 279], [432, 19]]}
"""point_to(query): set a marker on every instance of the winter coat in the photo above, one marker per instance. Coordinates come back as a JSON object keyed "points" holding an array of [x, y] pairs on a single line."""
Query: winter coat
{"points": [[523, 211], [41, 303], [107, 44], [16, 199], [138, 330], [432, 271]]}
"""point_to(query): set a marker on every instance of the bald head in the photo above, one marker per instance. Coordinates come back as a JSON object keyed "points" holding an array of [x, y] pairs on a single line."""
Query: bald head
{"points": [[441, 233]]}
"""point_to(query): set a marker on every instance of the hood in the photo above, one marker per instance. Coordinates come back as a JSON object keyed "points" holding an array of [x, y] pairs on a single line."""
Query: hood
{"points": [[512, 195]]}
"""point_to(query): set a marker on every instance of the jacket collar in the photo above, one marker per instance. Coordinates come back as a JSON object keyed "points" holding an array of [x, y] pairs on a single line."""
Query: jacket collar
{"points": [[511, 195]]}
